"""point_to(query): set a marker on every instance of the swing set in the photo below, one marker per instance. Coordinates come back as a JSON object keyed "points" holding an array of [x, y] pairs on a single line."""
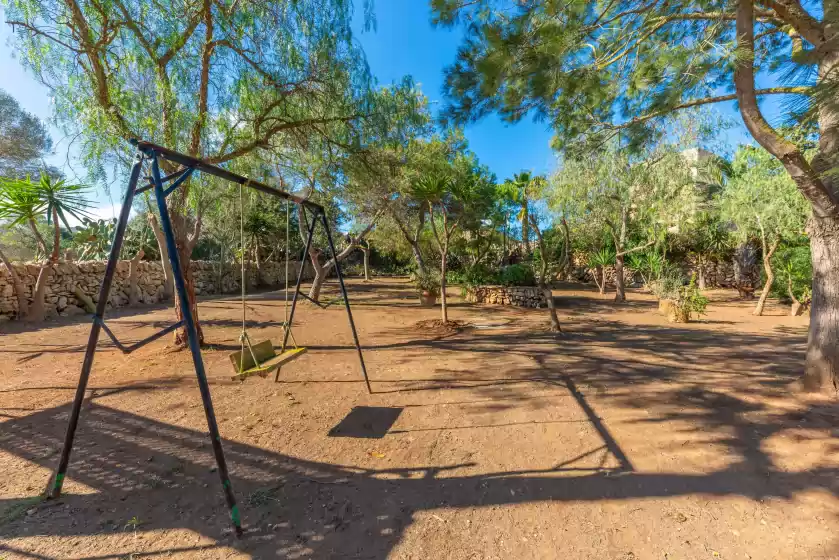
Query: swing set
{"points": [[260, 357]]}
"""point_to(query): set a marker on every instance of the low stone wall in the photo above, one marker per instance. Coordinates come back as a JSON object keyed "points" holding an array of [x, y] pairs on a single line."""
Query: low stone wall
{"points": [[717, 274], [60, 298], [522, 296]]}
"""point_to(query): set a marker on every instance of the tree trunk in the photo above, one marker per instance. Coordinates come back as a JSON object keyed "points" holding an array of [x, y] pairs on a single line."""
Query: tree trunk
{"points": [[525, 227], [567, 265], [133, 288], [821, 369], [184, 246], [168, 280], [770, 277], [37, 312], [620, 290], [443, 263], [20, 291], [366, 263], [700, 272], [320, 275], [602, 280], [597, 275], [549, 298]]}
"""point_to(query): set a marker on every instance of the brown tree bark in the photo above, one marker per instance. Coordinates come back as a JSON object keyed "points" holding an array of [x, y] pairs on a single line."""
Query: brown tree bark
{"points": [[816, 183], [168, 280], [323, 270], [770, 274], [17, 285], [366, 250], [822, 359], [542, 280], [37, 311], [620, 289], [185, 243], [413, 237]]}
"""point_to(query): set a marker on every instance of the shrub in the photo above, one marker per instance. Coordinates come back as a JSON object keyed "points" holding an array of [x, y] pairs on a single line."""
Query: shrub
{"points": [[517, 275], [602, 258], [794, 270], [689, 301], [427, 281], [668, 283]]}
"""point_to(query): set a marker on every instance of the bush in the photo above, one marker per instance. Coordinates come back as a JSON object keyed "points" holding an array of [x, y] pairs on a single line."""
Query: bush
{"points": [[668, 283], [792, 264], [427, 281], [689, 301], [477, 275], [517, 275]]}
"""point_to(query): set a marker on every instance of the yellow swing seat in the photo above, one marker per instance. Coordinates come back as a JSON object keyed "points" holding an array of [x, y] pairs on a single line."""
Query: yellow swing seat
{"points": [[266, 356]]}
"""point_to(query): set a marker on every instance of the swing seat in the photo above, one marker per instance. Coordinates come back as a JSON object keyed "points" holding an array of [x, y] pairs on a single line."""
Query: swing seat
{"points": [[267, 357]]}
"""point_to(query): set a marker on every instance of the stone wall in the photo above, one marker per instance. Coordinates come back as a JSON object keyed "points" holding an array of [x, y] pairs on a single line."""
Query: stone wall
{"points": [[717, 274], [522, 296], [60, 298]]}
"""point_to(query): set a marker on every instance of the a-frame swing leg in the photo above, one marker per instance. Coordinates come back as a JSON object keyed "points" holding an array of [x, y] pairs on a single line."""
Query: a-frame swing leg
{"points": [[303, 258], [194, 347], [325, 223], [55, 483]]}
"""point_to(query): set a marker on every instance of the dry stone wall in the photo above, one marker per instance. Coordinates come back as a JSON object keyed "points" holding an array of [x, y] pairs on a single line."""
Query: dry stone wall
{"points": [[60, 297], [522, 296], [717, 274]]}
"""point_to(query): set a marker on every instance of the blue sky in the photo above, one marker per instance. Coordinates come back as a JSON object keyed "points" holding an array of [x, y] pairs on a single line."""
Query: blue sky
{"points": [[404, 42]]}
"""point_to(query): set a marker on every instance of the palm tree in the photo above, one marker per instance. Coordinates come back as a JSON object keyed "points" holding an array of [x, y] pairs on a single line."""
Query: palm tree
{"points": [[24, 202], [435, 189], [519, 190]]}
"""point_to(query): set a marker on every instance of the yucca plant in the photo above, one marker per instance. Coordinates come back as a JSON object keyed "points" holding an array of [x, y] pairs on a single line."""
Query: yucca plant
{"points": [[599, 261], [24, 202]]}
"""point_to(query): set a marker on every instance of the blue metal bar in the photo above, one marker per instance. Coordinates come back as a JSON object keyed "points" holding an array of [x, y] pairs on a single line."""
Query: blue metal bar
{"points": [[346, 299], [128, 349], [194, 347], [56, 482], [150, 184], [178, 181]]}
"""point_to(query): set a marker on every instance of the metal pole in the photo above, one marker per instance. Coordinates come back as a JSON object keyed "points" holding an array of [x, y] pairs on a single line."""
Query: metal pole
{"points": [[297, 285], [195, 349], [346, 300], [54, 485]]}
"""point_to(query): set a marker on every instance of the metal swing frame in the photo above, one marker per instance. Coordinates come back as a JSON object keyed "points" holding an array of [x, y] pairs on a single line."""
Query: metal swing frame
{"points": [[189, 165]]}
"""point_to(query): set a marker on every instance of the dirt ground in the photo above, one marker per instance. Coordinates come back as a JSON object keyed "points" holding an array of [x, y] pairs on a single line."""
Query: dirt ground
{"points": [[627, 438]]}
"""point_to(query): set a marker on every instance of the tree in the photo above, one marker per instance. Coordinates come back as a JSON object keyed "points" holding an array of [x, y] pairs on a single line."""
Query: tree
{"points": [[762, 202], [596, 69], [24, 202], [218, 80], [520, 190], [455, 191], [24, 140], [632, 198]]}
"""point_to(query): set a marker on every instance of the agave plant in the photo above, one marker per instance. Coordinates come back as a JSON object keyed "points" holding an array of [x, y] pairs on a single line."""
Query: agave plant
{"points": [[599, 261]]}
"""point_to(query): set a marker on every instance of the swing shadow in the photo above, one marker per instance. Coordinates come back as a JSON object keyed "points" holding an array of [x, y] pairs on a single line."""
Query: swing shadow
{"points": [[292, 507]]}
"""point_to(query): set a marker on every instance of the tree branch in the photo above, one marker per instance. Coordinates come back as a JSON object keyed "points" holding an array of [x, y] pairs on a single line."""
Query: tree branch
{"points": [[808, 181]]}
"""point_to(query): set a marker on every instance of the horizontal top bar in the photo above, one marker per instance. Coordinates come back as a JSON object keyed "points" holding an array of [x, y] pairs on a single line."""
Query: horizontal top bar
{"points": [[204, 167]]}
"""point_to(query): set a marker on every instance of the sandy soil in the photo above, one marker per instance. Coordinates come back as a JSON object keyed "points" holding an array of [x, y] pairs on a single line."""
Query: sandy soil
{"points": [[627, 438]]}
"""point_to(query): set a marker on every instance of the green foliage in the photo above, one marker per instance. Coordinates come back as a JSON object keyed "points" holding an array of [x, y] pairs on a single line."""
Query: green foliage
{"points": [[649, 264], [92, 241], [426, 281], [24, 140], [689, 301], [761, 200], [477, 275], [517, 275], [602, 258], [796, 267], [668, 284], [594, 70]]}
